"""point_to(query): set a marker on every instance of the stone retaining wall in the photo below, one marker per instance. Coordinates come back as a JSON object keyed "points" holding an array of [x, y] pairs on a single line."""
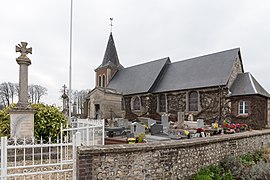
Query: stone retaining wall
{"points": [[164, 160]]}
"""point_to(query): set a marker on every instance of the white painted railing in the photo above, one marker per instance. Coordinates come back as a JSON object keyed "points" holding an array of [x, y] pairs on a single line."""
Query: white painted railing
{"points": [[92, 131], [29, 159], [37, 159]]}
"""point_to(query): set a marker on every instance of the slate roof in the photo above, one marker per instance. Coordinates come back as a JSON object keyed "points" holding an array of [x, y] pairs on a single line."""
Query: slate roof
{"points": [[199, 72], [246, 84], [110, 58], [140, 78]]}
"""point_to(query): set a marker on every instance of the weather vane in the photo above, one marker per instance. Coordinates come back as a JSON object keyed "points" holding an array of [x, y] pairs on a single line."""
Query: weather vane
{"points": [[111, 19]]}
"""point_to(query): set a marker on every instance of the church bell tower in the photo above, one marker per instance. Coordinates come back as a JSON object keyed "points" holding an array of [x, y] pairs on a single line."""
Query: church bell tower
{"points": [[110, 65]]}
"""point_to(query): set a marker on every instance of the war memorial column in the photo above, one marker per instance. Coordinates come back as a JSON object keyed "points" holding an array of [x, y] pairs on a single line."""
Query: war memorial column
{"points": [[22, 116]]}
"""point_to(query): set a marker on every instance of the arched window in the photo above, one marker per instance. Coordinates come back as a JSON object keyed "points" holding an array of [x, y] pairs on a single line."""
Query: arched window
{"points": [[123, 107], [99, 81], [193, 101], [136, 103], [162, 103], [103, 81]]}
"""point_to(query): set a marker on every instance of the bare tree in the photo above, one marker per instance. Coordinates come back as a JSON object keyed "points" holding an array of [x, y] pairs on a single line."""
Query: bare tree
{"points": [[35, 93], [13, 90], [2, 100], [8, 91], [40, 91], [81, 99], [4, 91]]}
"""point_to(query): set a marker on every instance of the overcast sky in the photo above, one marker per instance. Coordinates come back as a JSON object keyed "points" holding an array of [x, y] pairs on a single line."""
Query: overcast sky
{"points": [[143, 30]]}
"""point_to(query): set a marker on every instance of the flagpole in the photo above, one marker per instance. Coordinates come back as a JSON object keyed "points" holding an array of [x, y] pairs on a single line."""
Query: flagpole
{"points": [[70, 59]]}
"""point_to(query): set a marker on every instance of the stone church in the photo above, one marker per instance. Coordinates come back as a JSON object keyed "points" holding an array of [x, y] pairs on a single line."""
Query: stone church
{"points": [[212, 87]]}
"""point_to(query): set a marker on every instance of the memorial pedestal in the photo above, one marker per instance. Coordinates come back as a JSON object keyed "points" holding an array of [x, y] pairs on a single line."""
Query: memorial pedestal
{"points": [[22, 123]]}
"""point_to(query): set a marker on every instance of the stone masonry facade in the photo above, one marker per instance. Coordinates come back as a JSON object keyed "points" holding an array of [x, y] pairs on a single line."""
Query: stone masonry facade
{"points": [[164, 160], [212, 104]]}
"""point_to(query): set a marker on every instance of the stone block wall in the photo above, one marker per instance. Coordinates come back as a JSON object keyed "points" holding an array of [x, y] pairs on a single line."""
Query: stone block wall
{"points": [[164, 160]]}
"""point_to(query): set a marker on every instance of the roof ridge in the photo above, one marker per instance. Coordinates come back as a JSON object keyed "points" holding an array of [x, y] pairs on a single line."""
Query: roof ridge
{"points": [[252, 83], [206, 55], [165, 58]]}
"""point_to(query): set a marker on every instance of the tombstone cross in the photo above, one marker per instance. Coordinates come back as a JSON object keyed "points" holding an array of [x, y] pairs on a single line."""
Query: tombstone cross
{"points": [[23, 49], [64, 88]]}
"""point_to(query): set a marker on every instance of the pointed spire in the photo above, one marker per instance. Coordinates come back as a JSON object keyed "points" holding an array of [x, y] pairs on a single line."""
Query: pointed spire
{"points": [[111, 58]]}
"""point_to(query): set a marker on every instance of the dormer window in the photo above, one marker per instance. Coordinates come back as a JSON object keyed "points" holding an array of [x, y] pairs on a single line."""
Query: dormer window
{"points": [[243, 108]]}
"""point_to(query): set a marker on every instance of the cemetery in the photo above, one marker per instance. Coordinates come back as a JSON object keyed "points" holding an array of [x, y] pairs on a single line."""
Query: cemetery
{"points": [[146, 130], [154, 130]]}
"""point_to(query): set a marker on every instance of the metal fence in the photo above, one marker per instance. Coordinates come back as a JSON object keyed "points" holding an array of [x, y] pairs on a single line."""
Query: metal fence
{"points": [[91, 130], [32, 159], [37, 159]]}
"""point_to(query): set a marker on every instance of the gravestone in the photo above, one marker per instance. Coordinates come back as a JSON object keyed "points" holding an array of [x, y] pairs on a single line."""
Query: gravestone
{"points": [[180, 120], [165, 122], [190, 117], [137, 128], [200, 123], [156, 129], [150, 122], [122, 122], [22, 116], [130, 135]]}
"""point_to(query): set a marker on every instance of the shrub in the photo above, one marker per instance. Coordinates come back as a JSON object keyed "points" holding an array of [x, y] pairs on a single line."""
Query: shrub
{"points": [[213, 173], [202, 177], [5, 121], [227, 176], [260, 171], [247, 159], [233, 165], [47, 121]]}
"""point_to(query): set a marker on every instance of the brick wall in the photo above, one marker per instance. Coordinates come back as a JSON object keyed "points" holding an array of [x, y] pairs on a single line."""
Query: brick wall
{"points": [[171, 159]]}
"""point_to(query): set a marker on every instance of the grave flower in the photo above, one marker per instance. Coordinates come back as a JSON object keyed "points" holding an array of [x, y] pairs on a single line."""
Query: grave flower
{"points": [[226, 126], [231, 131], [215, 125], [243, 127], [232, 126]]}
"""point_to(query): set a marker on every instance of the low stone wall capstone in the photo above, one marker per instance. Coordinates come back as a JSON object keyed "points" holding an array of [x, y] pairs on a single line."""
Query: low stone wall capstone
{"points": [[164, 160]]}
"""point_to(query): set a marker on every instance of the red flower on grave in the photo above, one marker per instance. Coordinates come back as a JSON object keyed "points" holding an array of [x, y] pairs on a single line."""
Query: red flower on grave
{"points": [[232, 126]]}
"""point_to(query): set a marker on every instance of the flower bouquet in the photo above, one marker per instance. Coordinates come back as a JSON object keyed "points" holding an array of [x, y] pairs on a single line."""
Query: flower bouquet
{"points": [[243, 127]]}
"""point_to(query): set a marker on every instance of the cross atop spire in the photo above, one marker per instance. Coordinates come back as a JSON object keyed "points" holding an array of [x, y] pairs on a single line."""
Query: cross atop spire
{"points": [[111, 19]]}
